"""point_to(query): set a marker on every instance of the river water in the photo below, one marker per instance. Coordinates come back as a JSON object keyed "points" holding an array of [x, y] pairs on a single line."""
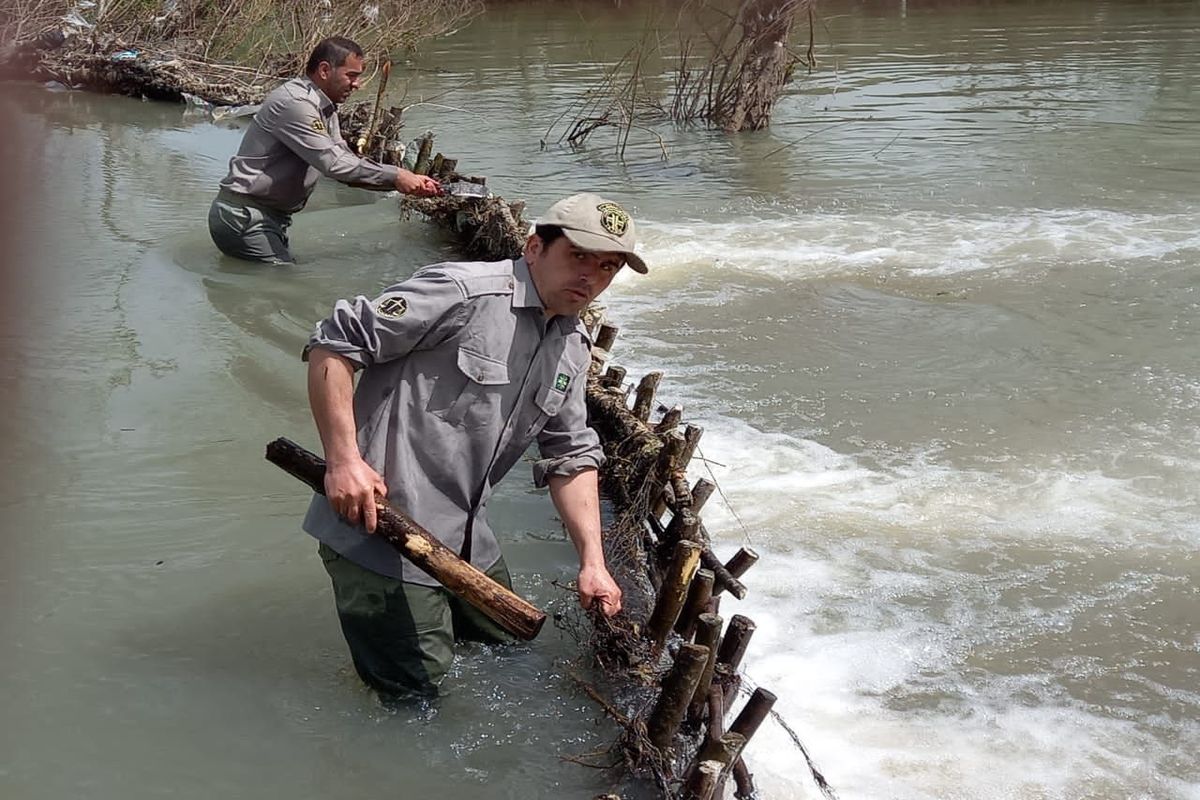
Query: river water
{"points": [[938, 324]]}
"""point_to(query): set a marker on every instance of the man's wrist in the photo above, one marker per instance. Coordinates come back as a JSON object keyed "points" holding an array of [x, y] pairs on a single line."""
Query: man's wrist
{"points": [[342, 456]]}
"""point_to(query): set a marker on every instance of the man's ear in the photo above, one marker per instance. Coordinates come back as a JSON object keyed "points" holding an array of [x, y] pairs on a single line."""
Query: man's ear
{"points": [[533, 247]]}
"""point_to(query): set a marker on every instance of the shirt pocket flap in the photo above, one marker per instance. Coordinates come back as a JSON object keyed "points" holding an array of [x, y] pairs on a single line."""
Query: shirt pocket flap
{"points": [[481, 369], [550, 400]]}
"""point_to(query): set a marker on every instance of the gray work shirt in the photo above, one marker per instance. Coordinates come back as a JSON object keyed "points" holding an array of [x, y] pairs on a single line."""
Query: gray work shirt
{"points": [[292, 139], [461, 373]]}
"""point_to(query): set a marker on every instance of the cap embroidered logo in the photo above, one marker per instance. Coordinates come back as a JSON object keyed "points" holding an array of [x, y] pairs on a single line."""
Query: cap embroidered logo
{"points": [[613, 218]]}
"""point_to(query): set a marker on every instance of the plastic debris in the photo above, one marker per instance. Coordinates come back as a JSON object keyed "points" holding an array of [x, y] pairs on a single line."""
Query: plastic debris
{"points": [[235, 112]]}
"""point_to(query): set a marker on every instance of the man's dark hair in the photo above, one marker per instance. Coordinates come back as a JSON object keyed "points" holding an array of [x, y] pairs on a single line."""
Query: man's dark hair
{"points": [[548, 233], [335, 49]]}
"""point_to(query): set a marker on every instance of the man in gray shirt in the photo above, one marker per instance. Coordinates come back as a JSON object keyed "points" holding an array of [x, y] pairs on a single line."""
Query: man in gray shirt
{"points": [[463, 366], [294, 138]]}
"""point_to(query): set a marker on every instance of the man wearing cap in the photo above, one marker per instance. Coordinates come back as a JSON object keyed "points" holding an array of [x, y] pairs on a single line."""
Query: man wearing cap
{"points": [[294, 138], [462, 367]]}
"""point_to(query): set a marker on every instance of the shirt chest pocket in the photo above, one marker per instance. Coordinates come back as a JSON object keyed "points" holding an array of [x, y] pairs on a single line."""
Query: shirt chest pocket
{"points": [[551, 394], [480, 381]]}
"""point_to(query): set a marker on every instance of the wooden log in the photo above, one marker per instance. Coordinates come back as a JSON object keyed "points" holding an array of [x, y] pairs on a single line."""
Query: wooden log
{"points": [[607, 336], [742, 560], [743, 780], [753, 713], [502, 606], [723, 579], [439, 163], [708, 633], [691, 435], [613, 377], [672, 593], [698, 596], [713, 606], [737, 639], [670, 420], [678, 686], [644, 399]]}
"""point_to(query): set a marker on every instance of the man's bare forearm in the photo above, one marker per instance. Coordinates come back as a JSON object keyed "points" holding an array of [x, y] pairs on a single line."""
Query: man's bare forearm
{"points": [[331, 398], [577, 499]]}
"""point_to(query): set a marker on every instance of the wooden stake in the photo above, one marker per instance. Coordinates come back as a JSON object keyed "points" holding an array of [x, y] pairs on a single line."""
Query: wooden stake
{"points": [[743, 780], [673, 443], [644, 399], [701, 491], [753, 713], [716, 713], [708, 633], [670, 420], [703, 781], [681, 494], [673, 592], [698, 596], [678, 687], [730, 685], [506, 609], [742, 560], [613, 377], [607, 336], [725, 750], [737, 639], [723, 579], [692, 434], [364, 139], [421, 167]]}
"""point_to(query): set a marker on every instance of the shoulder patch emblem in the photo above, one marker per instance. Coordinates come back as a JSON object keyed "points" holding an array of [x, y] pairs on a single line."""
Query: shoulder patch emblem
{"points": [[613, 218], [317, 125], [392, 307], [562, 381]]}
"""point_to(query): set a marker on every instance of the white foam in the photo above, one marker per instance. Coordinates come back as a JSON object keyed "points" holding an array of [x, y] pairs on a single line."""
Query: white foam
{"points": [[915, 243], [843, 545], [784, 483]]}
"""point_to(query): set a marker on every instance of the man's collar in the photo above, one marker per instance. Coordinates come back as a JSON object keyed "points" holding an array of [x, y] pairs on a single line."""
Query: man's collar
{"points": [[323, 100], [525, 293]]}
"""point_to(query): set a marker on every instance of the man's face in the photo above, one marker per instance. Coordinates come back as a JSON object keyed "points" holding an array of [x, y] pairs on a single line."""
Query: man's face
{"points": [[567, 278], [338, 82]]}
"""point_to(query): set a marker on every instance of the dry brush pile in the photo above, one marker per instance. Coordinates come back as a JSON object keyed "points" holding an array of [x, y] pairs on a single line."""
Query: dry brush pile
{"points": [[222, 53]]}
